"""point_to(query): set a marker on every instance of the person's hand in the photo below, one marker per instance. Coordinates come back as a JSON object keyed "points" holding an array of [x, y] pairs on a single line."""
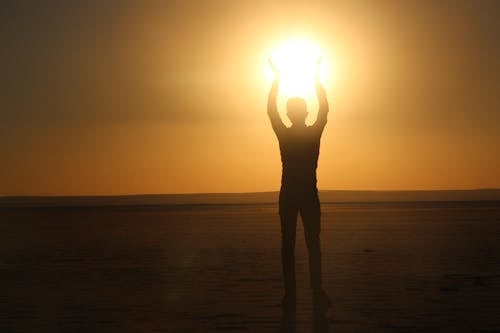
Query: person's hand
{"points": [[274, 68]]}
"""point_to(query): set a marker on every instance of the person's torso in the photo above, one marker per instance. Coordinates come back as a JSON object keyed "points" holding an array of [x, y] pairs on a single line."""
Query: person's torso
{"points": [[299, 156]]}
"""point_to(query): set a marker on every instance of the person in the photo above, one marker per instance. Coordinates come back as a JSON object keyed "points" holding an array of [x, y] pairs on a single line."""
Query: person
{"points": [[299, 148]]}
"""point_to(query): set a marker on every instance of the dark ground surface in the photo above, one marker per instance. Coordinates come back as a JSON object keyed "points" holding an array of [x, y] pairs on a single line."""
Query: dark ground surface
{"points": [[388, 267]]}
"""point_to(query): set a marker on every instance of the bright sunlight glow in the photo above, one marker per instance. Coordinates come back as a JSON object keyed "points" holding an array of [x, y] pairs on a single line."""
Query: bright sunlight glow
{"points": [[296, 61]]}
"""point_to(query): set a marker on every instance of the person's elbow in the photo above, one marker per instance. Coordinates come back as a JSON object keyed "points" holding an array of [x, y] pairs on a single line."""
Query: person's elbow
{"points": [[271, 111], [322, 116], [323, 108], [321, 121]]}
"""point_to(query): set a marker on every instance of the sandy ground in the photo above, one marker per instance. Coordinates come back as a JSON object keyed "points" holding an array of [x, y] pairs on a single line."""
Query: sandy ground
{"points": [[427, 267]]}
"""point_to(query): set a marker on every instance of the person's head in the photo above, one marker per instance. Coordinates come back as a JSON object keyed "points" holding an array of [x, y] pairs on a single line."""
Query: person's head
{"points": [[296, 108]]}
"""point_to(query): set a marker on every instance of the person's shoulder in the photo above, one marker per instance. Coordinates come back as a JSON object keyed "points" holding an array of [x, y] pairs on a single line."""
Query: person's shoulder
{"points": [[283, 132], [314, 129]]}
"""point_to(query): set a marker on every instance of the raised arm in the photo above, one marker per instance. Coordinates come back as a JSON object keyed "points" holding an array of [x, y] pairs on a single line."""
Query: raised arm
{"points": [[322, 101], [272, 106]]}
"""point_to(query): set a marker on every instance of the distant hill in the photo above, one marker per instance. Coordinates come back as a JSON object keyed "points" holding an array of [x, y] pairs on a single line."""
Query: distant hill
{"points": [[246, 198]]}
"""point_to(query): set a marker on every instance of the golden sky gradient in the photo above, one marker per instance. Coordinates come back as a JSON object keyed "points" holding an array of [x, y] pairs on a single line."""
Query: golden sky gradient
{"points": [[122, 97]]}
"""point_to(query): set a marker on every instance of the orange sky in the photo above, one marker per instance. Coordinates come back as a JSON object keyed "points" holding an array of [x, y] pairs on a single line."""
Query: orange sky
{"points": [[170, 98]]}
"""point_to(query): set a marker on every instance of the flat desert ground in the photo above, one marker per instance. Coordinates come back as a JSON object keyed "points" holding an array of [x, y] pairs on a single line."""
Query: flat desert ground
{"points": [[388, 267]]}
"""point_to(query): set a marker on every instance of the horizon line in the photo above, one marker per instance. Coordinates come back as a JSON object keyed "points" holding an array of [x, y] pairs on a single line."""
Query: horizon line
{"points": [[236, 193]]}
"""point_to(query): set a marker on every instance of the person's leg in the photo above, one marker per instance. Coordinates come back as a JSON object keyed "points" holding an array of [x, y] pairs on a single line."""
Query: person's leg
{"points": [[288, 217], [310, 213]]}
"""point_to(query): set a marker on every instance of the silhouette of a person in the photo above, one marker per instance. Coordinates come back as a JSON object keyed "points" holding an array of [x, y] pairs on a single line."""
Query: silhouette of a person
{"points": [[299, 147]]}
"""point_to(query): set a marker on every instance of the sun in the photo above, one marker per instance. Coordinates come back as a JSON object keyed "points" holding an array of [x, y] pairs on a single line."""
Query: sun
{"points": [[296, 61]]}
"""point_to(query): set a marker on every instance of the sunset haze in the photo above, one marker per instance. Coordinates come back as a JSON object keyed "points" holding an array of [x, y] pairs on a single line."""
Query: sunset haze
{"points": [[128, 97]]}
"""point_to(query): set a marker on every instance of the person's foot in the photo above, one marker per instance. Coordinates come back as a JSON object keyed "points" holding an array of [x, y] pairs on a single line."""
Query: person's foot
{"points": [[289, 300], [320, 300]]}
